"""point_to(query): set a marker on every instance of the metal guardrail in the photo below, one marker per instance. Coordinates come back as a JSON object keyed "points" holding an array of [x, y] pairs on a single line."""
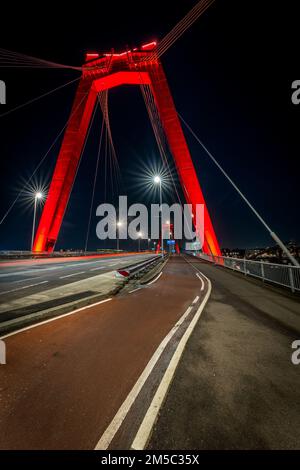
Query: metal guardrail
{"points": [[281, 274], [131, 270]]}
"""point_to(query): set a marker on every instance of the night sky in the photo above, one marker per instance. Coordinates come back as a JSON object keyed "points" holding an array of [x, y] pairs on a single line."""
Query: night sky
{"points": [[230, 76]]}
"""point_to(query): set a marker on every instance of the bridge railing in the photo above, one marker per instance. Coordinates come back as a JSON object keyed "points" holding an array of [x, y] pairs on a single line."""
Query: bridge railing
{"points": [[281, 274]]}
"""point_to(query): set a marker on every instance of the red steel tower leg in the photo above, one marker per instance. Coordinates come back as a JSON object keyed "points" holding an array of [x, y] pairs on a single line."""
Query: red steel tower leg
{"points": [[66, 168]]}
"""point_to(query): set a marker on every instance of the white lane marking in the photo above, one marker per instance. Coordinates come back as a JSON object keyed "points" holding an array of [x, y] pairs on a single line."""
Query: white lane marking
{"points": [[97, 269], [141, 439], [24, 287], [55, 318], [22, 273], [24, 280], [196, 300], [70, 275], [121, 414], [154, 280], [134, 290], [202, 282]]}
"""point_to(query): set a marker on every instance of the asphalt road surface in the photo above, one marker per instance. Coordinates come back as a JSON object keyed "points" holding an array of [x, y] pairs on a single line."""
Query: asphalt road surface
{"points": [[84, 381], [236, 386], [65, 380]]}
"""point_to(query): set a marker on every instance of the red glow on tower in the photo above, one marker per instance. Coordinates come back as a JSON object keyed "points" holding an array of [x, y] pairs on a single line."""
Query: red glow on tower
{"points": [[132, 67]]}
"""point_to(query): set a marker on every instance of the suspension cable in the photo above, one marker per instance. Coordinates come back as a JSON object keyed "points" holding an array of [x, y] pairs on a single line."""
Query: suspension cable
{"points": [[160, 138], [39, 97], [16, 59], [273, 234], [180, 28], [41, 162], [94, 185]]}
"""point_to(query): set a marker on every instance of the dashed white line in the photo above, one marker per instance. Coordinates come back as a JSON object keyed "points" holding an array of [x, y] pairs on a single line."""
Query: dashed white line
{"points": [[24, 287], [97, 269], [195, 300], [74, 274]]}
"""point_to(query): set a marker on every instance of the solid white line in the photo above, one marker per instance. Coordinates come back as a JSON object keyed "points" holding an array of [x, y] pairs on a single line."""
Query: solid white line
{"points": [[121, 414], [202, 282], [24, 287], [196, 300], [134, 290], [55, 318], [143, 434], [154, 280], [74, 274]]}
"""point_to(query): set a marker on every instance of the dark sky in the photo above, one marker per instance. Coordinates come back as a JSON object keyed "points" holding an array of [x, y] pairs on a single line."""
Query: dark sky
{"points": [[230, 76]]}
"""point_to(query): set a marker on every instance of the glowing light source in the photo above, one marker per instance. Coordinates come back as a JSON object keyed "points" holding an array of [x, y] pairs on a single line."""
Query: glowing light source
{"points": [[157, 179], [91, 55], [148, 46], [39, 195]]}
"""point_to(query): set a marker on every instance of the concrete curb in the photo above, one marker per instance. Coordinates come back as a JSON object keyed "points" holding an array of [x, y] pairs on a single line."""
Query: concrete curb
{"points": [[32, 318]]}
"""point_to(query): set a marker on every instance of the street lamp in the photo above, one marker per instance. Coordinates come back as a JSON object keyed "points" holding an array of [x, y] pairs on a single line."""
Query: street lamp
{"points": [[139, 239], [149, 240], [37, 197], [157, 180], [119, 224]]}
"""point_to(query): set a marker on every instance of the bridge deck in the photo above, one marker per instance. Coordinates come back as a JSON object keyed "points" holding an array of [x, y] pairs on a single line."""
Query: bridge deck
{"points": [[240, 388]]}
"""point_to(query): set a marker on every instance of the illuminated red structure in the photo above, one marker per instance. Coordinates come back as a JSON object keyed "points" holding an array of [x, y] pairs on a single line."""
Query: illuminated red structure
{"points": [[136, 67]]}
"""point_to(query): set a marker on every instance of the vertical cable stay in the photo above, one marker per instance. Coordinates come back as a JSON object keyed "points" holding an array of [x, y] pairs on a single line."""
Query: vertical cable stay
{"points": [[271, 233], [113, 159], [94, 185], [159, 135]]}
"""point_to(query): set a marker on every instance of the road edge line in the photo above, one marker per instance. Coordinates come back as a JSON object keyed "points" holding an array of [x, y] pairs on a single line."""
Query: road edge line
{"points": [[116, 422], [154, 280], [143, 434]]}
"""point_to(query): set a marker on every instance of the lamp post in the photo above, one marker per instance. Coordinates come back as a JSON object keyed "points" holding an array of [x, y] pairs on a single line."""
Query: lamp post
{"points": [[37, 197], [139, 240], [149, 240], [157, 180], [119, 224]]}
